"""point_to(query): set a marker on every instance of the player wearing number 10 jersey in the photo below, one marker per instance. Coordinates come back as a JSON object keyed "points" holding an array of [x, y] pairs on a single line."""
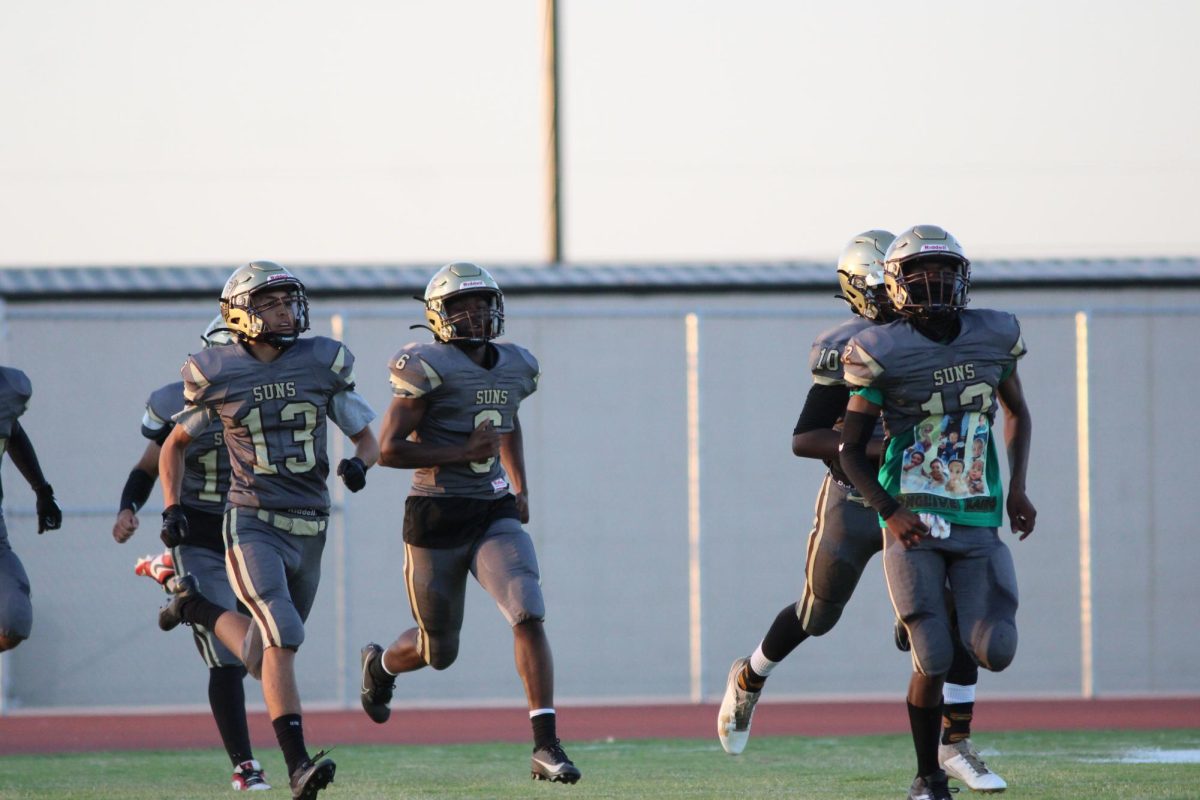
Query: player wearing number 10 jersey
{"points": [[453, 418], [272, 392]]}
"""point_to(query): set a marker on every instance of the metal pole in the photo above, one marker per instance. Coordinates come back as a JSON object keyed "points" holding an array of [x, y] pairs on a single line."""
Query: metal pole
{"points": [[1083, 455], [554, 251], [695, 575]]}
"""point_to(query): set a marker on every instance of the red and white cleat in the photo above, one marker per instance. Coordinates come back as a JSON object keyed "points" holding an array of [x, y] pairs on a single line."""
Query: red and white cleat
{"points": [[159, 568]]}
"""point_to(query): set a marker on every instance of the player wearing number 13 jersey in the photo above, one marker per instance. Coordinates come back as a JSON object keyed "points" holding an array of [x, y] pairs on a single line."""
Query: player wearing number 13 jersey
{"points": [[937, 374], [273, 393], [453, 418]]}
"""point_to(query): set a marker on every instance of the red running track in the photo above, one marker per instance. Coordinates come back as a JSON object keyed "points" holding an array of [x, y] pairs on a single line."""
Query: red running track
{"points": [[61, 734]]}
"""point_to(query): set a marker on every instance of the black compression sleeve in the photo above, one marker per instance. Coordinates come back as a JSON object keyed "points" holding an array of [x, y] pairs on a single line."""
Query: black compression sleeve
{"points": [[24, 458], [856, 433], [822, 408], [136, 491]]}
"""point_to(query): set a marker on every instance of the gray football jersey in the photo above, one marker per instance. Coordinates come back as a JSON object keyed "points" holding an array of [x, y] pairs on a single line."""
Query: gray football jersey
{"points": [[460, 395], [274, 417], [825, 357], [15, 391], [939, 403], [205, 461]]}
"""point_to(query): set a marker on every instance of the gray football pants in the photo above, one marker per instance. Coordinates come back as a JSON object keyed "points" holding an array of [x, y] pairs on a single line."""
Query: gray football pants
{"points": [[983, 583], [275, 575], [844, 537], [16, 608], [504, 563], [208, 567]]}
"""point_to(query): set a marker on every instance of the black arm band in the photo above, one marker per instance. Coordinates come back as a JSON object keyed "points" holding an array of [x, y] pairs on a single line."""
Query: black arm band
{"points": [[856, 433], [136, 491], [822, 408]]}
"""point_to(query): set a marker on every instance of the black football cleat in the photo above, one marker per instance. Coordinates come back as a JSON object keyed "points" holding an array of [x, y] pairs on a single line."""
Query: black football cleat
{"points": [[168, 615], [375, 694], [551, 764], [312, 776]]}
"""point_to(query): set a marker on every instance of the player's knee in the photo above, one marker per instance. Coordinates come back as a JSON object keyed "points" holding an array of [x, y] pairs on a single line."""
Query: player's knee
{"points": [[820, 618], [996, 645], [932, 650], [443, 650]]}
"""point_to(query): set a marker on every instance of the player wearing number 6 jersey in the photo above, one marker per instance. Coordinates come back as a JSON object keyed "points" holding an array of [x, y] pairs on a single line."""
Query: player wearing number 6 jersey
{"points": [[273, 393], [453, 418], [940, 371]]}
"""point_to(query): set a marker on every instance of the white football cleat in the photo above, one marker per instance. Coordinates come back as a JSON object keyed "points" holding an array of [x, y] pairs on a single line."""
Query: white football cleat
{"points": [[733, 720], [962, 761]]}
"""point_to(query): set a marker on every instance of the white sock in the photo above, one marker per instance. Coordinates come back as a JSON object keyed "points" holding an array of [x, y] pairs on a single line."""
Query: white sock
{"points": [[957, 693], [760, 663], [539, 711], [383, 665]]}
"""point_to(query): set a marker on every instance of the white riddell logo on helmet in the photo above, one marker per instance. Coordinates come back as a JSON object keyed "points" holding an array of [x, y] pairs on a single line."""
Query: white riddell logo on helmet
{"points": [[925, 248], [283, 276], [471, 284]]}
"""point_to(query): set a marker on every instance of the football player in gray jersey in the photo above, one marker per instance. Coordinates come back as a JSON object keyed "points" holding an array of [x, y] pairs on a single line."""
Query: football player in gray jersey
{"points": [[845, 533], [16, 610], [272, 393], [937, 370], [453, 418], [202, 495]]}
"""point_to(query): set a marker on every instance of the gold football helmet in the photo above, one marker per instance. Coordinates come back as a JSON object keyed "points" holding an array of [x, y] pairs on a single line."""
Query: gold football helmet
{"points": [[240, 314], [860, 274], [217, 333], [455, 280], [927, 274]]}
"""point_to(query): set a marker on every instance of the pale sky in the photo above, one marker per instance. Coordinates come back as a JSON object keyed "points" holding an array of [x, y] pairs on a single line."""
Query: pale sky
{"points": [[396, 131]]}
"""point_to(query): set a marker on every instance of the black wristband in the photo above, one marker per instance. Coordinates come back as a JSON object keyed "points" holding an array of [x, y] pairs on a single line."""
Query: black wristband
{"points": [[137, 490]]}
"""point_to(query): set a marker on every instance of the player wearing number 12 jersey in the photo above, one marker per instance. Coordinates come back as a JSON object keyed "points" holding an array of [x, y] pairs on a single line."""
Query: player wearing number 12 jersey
{"points": [[937, 374], [453, 418], [273, 393]]}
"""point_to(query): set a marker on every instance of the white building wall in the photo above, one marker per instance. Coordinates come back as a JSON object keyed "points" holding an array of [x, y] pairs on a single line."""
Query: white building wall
{"points": [[606, 444]]}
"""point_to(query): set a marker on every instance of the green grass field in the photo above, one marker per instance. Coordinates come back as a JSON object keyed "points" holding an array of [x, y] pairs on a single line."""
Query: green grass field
{"points": [[1039, 766]]}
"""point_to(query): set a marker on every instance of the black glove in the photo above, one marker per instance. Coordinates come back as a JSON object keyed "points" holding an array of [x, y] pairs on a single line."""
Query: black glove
{"points": [[48, 513], [353, 473], [174, 527]]}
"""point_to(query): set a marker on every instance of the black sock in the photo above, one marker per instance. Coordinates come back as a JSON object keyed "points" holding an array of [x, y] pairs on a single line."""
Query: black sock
{"points": [[227, 699], [289, 731], [956, 721], [926, 724], [784, 635], [375, 667], [544, 730], [199, 610]]}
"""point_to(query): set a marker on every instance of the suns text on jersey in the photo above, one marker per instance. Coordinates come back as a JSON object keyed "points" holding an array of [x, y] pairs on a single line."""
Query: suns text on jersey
{"points": [[491, 397], [956, 374], [274, 391]]}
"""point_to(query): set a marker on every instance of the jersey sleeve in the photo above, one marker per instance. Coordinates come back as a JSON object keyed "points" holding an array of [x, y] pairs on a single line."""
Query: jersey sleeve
{"points": [[825, 363], [350, 411], [161, 406], [1018, 350], [535, 370], [198, 393], [335, 357], [861, 366], [15, 391], [411, 375]]}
